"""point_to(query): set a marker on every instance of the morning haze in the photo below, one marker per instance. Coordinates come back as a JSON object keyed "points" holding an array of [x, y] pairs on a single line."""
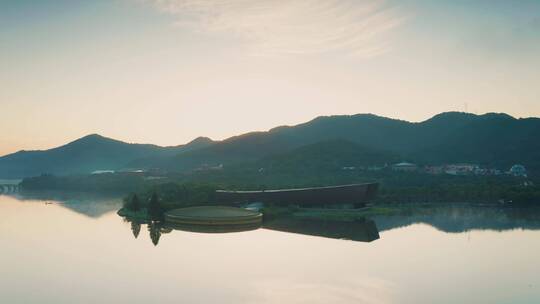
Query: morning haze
{"points": [[160, 71], [270, 151]]}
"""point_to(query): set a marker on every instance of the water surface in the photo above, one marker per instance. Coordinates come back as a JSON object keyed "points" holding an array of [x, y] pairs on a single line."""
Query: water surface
{"points": [[79, 251]]}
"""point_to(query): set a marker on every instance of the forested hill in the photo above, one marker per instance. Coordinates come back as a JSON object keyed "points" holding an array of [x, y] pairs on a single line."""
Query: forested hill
{"points": [[497, 140], [490, 139]]}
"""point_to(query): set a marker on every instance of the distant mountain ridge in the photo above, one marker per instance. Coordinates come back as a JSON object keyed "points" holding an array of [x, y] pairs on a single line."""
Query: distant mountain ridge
{"points": [[492, 139], [85, 155]]}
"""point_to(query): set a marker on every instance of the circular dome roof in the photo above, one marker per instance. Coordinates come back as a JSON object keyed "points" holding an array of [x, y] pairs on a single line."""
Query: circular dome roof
{"points": [[517, 168], [213, 215]]}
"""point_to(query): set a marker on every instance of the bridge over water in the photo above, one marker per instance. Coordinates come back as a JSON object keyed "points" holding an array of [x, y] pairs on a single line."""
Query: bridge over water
{"points": [[9, 186]]}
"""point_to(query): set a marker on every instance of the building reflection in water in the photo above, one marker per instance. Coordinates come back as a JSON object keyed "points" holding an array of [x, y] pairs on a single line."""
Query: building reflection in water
{"points": [[449, 218], [360, 230]]}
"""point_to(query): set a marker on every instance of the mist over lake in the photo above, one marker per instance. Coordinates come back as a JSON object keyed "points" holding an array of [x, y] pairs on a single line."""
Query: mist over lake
{"points": [[269, 151]]}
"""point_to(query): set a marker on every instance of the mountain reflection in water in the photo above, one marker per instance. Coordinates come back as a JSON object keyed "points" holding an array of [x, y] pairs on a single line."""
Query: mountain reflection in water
{"points": [[456, 218], [90, 204]]}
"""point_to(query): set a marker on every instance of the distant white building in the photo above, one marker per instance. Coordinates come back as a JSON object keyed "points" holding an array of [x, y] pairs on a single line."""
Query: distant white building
{"points": [[405, 167], [103, 172], [461, 169], [518, 170], [206, 167], [376, 168]]}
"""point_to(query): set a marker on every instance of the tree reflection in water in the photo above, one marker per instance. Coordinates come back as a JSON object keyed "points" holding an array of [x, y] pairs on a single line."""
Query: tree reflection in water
{"points": [[155, 231], [362, 230], [135, 228]]}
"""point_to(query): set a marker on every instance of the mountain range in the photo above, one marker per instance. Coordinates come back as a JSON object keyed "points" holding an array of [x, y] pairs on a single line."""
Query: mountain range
{"points": [[493, 139], [88, 154]]}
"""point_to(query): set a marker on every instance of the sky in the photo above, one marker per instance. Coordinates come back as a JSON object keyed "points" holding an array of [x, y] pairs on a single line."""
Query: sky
{"points": [[167, 71]]}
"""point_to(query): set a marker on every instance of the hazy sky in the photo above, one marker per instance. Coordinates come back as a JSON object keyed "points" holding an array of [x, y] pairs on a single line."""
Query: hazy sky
{"points": [[164, 72]]}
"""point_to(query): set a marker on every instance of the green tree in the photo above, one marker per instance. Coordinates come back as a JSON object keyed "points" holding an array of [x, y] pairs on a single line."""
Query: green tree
{"points": [[132, 203], [135, 203]]}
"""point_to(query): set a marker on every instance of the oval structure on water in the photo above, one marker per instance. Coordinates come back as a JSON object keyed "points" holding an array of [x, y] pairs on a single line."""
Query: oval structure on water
{"points": [[213, 215]]}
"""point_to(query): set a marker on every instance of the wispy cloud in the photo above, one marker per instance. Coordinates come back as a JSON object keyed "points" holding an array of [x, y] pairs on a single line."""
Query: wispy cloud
{"points": [[292, 26]]}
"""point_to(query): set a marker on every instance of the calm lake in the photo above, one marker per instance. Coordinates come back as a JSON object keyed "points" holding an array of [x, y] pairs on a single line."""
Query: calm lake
{"points": [[65, 250]]}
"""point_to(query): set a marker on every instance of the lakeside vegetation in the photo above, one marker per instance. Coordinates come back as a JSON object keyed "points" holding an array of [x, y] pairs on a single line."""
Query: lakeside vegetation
{"points": [[153, 201], [397, 190], [198, 188]]}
